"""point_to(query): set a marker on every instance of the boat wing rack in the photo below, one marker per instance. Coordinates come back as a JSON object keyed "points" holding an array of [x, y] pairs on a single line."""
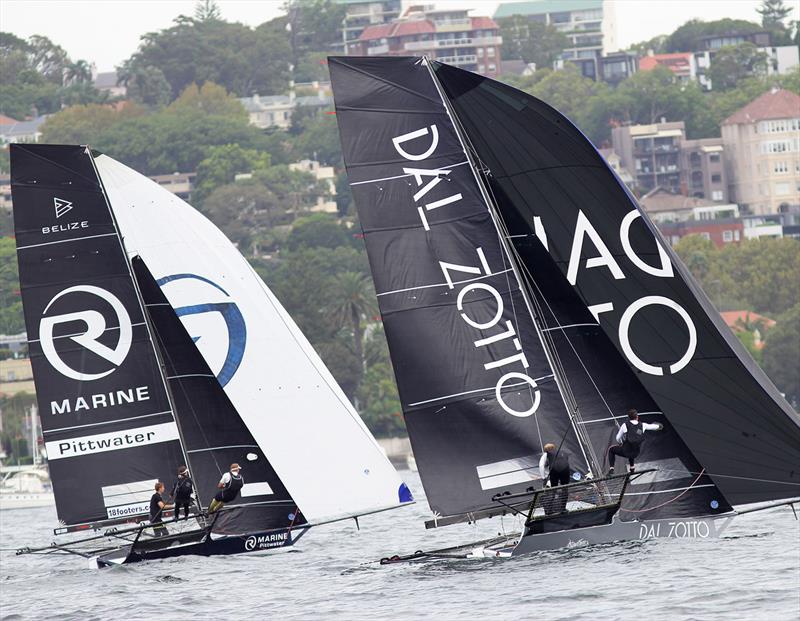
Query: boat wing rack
{"points": [[606, 492]]}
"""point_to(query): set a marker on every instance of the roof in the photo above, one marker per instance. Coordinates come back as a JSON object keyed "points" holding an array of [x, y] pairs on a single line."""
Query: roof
{"points": [[23, 128], [7, 120], [397, 29], [107, 79], [538, 7], [675, 62], [482, 22], [661, 199], [774, 104], [737, 320]]}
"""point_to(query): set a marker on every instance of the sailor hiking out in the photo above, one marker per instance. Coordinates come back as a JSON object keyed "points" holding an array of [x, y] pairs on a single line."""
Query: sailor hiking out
{"points": [[157, 506], [630, 437], [229, 486], [182, 492], [555, 470]]}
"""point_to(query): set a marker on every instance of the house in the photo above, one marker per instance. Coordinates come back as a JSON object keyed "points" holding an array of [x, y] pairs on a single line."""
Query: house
{"points": [[720, 231], [615, 162], [651, 153], [360, 14], [22, 131], [762, 153], [748, 321], [326, 204], [106, 82], [448, 35], [180, 184], [275, 111], [664, 206]]}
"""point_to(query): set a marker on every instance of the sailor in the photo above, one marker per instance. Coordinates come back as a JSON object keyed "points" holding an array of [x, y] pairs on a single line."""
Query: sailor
{"points": [[157, 506], [555, 470], [229, 487], [629, 440], [182, 492]]}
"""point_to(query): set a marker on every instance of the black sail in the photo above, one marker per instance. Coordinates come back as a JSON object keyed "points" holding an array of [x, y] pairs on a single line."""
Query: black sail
{"points": [[549, 183], [214, 435], [478, 393], [107, 423]]}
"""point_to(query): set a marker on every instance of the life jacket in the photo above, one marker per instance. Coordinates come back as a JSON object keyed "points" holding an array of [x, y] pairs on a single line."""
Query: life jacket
{"points": [[183, 489], [634, 434], [558, 462], [232, 487]]}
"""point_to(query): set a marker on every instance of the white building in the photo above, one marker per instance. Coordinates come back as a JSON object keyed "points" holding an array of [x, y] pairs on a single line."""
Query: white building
{"points": [[326, 204]]}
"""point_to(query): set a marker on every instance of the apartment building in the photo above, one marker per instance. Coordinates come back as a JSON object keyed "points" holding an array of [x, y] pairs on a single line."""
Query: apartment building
{"points": [[652, 153], [590, 26], [686, 66], [447, 35], [360, 15], [762, 153], [703, 169]]}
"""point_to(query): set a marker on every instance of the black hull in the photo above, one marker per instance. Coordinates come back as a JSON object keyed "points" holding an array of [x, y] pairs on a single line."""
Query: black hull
{"points": [[199, 544]]}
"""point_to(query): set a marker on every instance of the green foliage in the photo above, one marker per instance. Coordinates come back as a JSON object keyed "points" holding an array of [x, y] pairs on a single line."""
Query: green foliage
{"points": [[84, 124], [317, 231], [222, 164], [773, 15], [782, 354], [313, 26], [13, 438], [734, 63], [688, 38], [318, 140], [11, 319], [240, 59], [532, 42]]}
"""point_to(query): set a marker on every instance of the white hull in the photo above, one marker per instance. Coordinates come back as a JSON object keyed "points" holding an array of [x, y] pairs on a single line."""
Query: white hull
{"points": [[26, 500]]}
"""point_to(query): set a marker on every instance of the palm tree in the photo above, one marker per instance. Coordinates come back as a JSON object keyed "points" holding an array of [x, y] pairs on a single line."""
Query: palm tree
{"points": [[355, 299]]}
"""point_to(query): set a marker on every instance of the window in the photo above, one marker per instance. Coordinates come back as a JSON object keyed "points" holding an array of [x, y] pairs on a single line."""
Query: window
{"points": [[714, 157], [492, 67], [736, 235], [490, 52], [780, 167], [716, 178], [781, 189], [480, 52], [776, 146], [716, 195], [706, 236], [727, 236], [481, 68]]}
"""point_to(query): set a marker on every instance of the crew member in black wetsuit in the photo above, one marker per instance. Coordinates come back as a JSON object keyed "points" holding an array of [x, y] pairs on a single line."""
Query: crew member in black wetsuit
{"points": [[157, 506], [554, 468], [182, 492], [629, 440], [229, 486]]}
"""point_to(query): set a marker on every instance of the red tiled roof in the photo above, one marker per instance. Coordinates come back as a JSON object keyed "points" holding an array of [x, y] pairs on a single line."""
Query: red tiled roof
{"points": [[378, 31], [673, 61], [7, 120], [774, 104], [736, 320], [397, 29], [483, 23]]}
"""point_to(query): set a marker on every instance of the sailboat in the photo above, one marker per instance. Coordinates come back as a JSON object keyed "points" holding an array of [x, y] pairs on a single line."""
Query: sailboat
{"points": [[527, 299], [154, 344]]}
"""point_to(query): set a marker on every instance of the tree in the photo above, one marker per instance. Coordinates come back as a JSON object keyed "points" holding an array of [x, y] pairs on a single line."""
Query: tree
{"points": [[533, 42], [354, 302], [688, 37], [295, 189], [222, 164], [317, 231], [85, 124], [246, 212], [733, 63], [313, 26], [782, 354], [773, 13], [145, 84], [11, 319], [207, 10], [209, 98], [318, 140]]}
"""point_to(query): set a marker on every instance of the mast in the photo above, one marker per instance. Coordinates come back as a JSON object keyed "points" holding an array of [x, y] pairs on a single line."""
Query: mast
{"points": [[561, 380], [145, 313]]}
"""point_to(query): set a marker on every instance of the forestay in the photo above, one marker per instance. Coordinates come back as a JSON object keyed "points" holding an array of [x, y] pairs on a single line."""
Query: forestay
{"points": [[477, 391], [555, 192], [107, 423], [289, 401]]}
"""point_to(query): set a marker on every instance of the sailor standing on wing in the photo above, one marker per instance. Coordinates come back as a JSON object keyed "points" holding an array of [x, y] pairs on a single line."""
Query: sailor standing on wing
{"points": [[629, 440], [229, 486]]}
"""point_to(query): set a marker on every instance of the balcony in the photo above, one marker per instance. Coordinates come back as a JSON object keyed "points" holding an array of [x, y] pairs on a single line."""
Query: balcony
{"points": [[377, 50], [458, 60], [413, 46]]}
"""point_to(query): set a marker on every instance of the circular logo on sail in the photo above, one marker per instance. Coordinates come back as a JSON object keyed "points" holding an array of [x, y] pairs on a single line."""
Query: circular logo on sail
{"points": [[87, 327], [250, 543], [212, 319]]}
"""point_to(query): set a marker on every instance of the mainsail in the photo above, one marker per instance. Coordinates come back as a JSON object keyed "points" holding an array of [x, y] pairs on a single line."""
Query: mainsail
{"points": [[551, 187], [107, 422], [213, 433], [478, 393], [317, 444]]}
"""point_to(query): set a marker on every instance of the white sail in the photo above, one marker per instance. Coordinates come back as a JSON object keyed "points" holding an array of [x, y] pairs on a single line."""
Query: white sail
{"points": [[298, 414]]}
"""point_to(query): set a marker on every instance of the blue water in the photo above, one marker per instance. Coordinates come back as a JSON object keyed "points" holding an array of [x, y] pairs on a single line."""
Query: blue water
{"points": [[752, 573]]}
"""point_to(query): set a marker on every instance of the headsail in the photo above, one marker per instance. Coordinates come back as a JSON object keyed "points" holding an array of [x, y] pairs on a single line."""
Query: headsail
{"points": [[478, 393], [107, 423], [213, 433], [551, 185], [284, 394]]}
